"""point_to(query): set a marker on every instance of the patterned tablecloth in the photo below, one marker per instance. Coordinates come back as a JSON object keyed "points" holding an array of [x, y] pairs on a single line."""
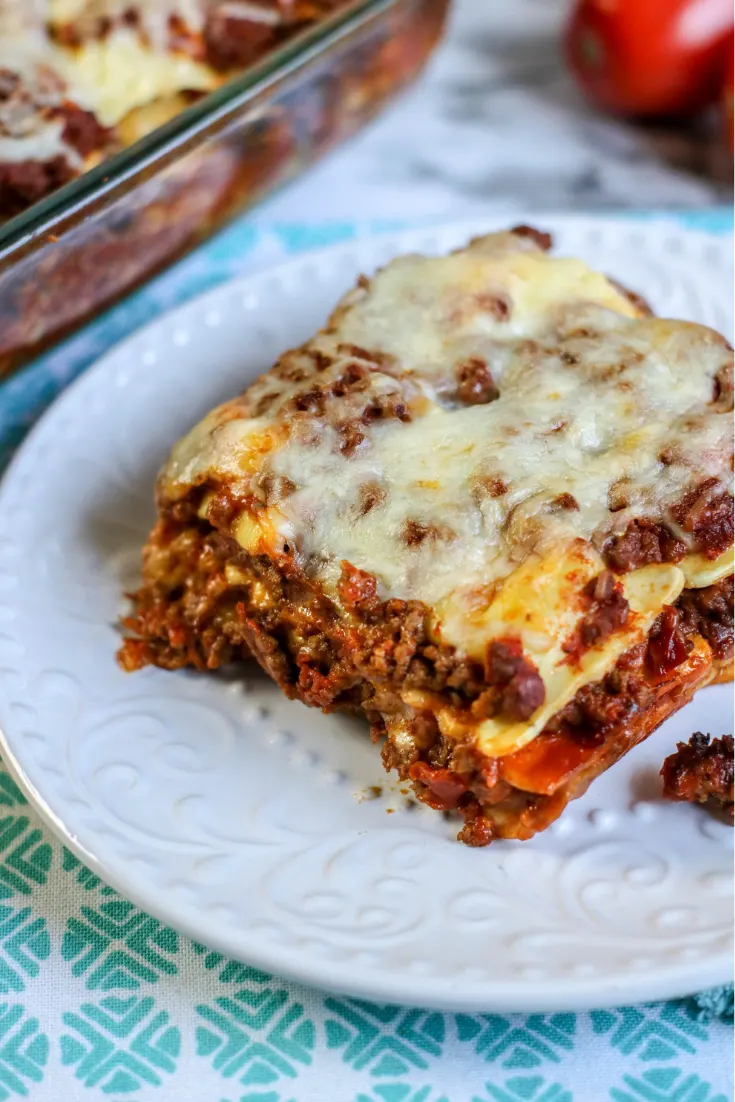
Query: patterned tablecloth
{"points": [[98, 1000]]}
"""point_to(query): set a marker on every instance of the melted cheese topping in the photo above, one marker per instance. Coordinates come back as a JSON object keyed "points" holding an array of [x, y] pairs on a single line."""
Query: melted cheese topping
{"points": [[492, 514], [61, 12], [445, 305], [21, 18], [153, 16], [117, 74]]}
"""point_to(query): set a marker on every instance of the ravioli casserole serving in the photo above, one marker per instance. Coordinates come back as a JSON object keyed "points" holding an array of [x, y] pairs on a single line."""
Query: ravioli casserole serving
{"points": [[81, 79], [488, 506]]}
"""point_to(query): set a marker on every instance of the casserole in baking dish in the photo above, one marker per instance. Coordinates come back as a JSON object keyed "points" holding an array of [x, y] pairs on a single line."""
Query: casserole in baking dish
{"points": [[129, 133]]}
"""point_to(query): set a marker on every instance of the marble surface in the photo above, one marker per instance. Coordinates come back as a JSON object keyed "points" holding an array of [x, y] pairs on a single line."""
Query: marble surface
{"points": [[495, 123]]}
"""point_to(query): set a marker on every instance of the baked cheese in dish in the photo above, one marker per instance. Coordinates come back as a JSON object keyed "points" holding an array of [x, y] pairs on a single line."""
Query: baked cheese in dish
{"points": [[489, 506], [79, 79]]}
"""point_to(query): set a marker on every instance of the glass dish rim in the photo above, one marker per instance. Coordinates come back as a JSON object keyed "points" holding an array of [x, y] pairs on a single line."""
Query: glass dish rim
{"points": [[174, 136]]}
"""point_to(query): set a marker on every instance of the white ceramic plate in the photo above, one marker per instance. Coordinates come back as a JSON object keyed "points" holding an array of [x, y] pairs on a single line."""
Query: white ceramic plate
{"points": [[240, 817]]}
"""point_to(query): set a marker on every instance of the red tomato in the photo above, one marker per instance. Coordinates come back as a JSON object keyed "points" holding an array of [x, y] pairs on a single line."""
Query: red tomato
{"points": [[650, 58]]}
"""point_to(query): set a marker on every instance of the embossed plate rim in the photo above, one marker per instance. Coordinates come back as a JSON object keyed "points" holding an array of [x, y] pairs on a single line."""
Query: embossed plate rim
{"points": [[449, 992]]}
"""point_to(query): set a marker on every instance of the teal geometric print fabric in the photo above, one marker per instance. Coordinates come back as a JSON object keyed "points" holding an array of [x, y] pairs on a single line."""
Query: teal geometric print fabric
{"points": [[99, 1001]]}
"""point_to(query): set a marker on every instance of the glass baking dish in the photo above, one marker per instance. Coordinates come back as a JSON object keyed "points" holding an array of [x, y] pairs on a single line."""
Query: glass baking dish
{"points": [[98, 237]]}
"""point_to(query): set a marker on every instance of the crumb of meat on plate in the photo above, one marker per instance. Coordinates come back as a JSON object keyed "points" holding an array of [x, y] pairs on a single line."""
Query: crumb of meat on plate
{"points": [[701, 771]]}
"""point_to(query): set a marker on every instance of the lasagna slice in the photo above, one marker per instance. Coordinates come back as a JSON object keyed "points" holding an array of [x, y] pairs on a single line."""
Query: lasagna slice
{"points": [[488, 507]]}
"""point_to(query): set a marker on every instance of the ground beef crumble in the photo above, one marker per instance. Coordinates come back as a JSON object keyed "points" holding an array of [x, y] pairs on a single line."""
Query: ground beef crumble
{"points": [[543, 240], [706, 512], [701, 771], [25, 182], [607, 611], [709, 611], [520, 688], [475, 383], [644, 541]]}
